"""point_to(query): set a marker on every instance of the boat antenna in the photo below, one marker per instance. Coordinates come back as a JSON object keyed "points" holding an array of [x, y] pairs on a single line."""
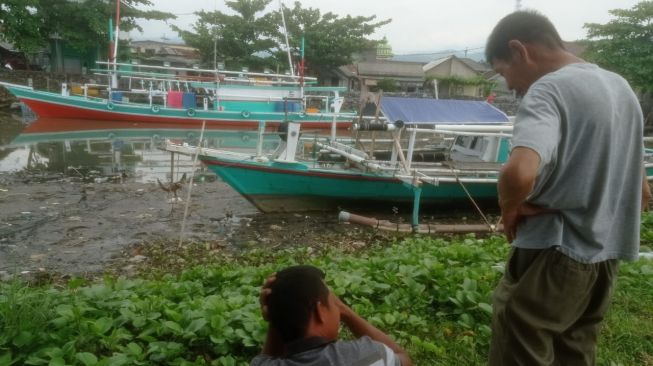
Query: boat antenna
{"points": [[114, 56], [215, 37], [285, 32], [301, 70]]}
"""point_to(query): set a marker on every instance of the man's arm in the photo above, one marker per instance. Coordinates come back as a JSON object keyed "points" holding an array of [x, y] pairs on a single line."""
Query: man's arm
{"points": [[516, 182], [361, 327]]}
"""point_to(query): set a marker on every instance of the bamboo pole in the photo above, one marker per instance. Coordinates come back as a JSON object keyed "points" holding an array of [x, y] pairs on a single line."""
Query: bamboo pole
{"points": [[386, 225], [190, 185]]}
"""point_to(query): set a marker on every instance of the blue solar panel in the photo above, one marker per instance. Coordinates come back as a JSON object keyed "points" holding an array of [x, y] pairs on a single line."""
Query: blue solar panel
{"points": [[431, 111]]}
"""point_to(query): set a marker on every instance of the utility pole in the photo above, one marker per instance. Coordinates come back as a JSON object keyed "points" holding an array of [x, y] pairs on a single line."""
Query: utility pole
{"points": [[517, 5]]}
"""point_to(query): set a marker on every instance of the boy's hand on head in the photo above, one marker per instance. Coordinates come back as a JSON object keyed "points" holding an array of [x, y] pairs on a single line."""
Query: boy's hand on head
{"points": [[342, 307], [266, 290]]}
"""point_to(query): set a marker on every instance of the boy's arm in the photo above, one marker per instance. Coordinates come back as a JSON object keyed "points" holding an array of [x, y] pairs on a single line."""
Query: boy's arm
{"points": [[361, 327], [273, 345]]}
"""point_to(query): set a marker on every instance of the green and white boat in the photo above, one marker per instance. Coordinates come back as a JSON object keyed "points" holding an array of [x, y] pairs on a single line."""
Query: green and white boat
{"points": [[327, 174]]}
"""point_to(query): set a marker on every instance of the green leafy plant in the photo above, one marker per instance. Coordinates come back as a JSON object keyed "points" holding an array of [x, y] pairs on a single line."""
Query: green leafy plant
{"points": [[432, 295]]}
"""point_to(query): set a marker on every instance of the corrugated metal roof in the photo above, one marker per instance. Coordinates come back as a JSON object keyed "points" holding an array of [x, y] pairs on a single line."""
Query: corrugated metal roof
{"points": [[436, 63], [479, 67]]}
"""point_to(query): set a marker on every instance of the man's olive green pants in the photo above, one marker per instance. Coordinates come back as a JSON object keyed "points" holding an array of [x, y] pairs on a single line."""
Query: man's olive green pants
{"points": [[547, 309]]}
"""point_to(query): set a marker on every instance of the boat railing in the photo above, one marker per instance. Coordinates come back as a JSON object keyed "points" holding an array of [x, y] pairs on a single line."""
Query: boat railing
{"points": [[217, 73], [154, 87]]}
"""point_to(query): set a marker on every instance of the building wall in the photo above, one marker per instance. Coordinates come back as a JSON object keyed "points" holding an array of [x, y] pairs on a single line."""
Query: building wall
{"points": [[451, 67], [460, 69]]}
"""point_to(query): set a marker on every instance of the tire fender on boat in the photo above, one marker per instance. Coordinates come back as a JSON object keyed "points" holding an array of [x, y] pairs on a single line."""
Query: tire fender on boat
{"points": [[245, 114], [110, 106], [155, 108], [302, 115], [190, 112], [245, 138]]}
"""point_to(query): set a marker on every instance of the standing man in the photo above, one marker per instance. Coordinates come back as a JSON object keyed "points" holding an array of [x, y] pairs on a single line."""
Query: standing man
{"points": [[570, 195]]}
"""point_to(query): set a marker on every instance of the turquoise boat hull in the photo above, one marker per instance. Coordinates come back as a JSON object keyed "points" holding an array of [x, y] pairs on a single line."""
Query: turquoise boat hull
{"points": [[292, 187]]}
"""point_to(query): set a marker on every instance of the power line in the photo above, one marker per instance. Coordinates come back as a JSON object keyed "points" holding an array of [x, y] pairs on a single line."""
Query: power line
{"points": [[443, 52]]}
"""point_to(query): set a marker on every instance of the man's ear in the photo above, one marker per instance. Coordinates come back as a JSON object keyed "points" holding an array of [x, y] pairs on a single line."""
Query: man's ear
{"points": [[518, 50]]}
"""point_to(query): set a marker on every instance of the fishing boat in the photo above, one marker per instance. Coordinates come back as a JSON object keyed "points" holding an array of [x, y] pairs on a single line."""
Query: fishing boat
{"points": [[312, 174], [191, 102], [328, 174], [164, 94]]}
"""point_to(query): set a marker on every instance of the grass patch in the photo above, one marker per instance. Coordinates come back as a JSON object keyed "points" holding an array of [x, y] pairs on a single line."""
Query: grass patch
{"points": [[432, 295]]}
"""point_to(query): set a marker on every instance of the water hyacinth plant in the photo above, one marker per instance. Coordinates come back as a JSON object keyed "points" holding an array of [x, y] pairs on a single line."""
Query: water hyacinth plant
{"points": [[432, 295]]}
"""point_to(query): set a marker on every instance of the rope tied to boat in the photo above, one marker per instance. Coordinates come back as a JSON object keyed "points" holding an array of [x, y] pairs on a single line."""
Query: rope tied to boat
{"points": [[487, 222]]}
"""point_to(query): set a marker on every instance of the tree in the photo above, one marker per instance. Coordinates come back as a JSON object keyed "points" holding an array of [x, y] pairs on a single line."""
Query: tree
{"points": [[625, 44], [243, 39], [330, 41], [251, 37], [387, 85], [30, 24]]}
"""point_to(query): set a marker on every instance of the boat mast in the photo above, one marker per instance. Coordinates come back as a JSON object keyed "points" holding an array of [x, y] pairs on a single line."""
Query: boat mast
{"points": [[301, 72], [114, 56], [285, 32]]}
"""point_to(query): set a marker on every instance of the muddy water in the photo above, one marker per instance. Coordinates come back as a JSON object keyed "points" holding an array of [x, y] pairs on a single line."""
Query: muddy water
{"points": [[77, 196], [72, 199]]}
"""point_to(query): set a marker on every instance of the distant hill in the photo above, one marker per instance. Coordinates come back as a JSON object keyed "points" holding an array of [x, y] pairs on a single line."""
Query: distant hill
{"points": [[428, 57]]}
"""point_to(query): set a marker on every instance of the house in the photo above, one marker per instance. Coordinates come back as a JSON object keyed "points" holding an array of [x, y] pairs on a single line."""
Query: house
{"points": [[458, 77], [11, 58], [14, 59], [364, 76], [375, 65], [163, 54], [67, 59], [408, 76]]}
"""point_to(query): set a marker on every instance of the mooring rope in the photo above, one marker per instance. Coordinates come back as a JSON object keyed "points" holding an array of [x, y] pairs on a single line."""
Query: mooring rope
{"points": [[487, 222]]}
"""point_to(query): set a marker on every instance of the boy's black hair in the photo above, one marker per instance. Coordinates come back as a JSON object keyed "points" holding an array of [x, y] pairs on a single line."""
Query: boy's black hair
{"points": [[527, 26], [295, 293]]}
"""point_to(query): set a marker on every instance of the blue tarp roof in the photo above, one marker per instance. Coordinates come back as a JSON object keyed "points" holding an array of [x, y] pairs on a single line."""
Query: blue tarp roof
{"points": [[424, 111]]}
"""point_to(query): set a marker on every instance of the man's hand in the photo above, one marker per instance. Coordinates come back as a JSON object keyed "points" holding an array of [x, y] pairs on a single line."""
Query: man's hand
{"points": [[265, 292], [516, 181], [511, 217], [646, 191]]}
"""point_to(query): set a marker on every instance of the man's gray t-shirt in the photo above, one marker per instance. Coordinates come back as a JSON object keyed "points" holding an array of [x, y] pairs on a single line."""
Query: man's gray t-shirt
{"points": [[361, 352], [586, 125]]}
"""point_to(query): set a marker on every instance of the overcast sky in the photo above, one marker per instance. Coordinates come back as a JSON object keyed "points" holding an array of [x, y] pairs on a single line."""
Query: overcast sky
{"points": [[418, 26]]}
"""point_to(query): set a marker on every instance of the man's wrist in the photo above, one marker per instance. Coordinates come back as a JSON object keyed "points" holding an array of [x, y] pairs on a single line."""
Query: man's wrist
{"points": [[510, 204]]}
